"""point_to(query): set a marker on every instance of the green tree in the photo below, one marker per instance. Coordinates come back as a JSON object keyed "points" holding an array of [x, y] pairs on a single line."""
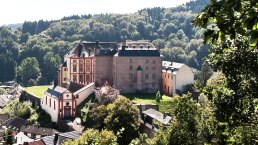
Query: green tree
{"points": [[184, 128], [123, 114], [21, 109], [158, 96], [28, 69], [205, 74], [9, 136], [232, 30], [142, 140], [51, 65], [31, 82], [98, 114]]}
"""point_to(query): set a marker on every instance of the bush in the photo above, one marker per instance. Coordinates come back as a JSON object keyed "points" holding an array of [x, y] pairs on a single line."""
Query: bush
{"points": [[158, 96], [32, 82], [2, 91]]}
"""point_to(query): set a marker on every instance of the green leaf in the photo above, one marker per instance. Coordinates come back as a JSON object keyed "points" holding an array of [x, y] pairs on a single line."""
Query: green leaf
{"points": [[207, 36], [253, 42]]}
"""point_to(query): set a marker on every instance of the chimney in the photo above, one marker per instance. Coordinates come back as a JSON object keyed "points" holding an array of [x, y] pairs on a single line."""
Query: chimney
{"points": [[79, 49], [157, 48], [123, 42], [55, 139], [55, 82], [97, 43]]}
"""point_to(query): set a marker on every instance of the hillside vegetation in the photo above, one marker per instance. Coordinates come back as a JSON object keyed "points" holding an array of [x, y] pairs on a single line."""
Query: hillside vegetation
{"points": [[169, 29]]}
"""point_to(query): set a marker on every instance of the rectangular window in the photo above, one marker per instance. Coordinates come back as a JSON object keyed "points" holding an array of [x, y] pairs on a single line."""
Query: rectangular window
{"points": [[54, 105], [153, 61], [46, 100], [65, 69], [49, 102], [146, 76], [80, 68], [80, 78], [87, 78], [87, 68], [130, 67], [74, 78], [147, 68], [64, 79], [74, 61], [153, 68], [168, 76], [130, 86], [130, 76], [146, 86], [153, 85], [147, 61], [74, 68], [153, 76]]}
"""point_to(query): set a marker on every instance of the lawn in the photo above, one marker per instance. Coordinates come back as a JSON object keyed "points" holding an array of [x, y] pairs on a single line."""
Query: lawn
{"points": [[164, 105], [37, 91]]}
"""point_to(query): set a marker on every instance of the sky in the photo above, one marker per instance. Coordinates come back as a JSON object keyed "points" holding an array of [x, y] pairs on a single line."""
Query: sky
{"points": [[18, 11]]}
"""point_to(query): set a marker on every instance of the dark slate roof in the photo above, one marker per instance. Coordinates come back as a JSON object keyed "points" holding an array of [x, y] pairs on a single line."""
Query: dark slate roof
{"points": [[86, 49], [138, 52], [107, 52], [49, 140], [138, 44], [157, 116], [56, 92], [73, 87], [3, 118], [139, 48], [15, 123], [38, 130], [64, 64], [171, 66], [68, 135]]}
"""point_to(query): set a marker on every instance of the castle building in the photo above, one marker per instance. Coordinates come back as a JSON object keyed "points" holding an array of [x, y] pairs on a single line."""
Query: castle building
{"points": [[137, 68], [131, 67]]}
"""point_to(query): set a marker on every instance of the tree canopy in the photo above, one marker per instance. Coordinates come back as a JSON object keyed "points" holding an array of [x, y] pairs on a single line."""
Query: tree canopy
{"points": [[231, 28]]}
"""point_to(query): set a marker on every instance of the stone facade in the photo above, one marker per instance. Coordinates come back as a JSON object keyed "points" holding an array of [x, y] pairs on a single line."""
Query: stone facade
{"points": [[106, 62]]}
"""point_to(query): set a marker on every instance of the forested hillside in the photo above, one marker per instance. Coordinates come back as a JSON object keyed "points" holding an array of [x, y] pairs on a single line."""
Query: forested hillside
{"points": [[169, 29]]}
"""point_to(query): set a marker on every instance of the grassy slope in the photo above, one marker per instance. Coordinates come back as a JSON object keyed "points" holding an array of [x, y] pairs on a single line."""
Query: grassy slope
{"points": [[37, 90], [164, 105]]}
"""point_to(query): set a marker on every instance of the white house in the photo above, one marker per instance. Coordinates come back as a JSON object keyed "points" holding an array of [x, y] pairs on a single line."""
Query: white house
{"points": [[21, 138], [61, 103], [175, 76]]}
